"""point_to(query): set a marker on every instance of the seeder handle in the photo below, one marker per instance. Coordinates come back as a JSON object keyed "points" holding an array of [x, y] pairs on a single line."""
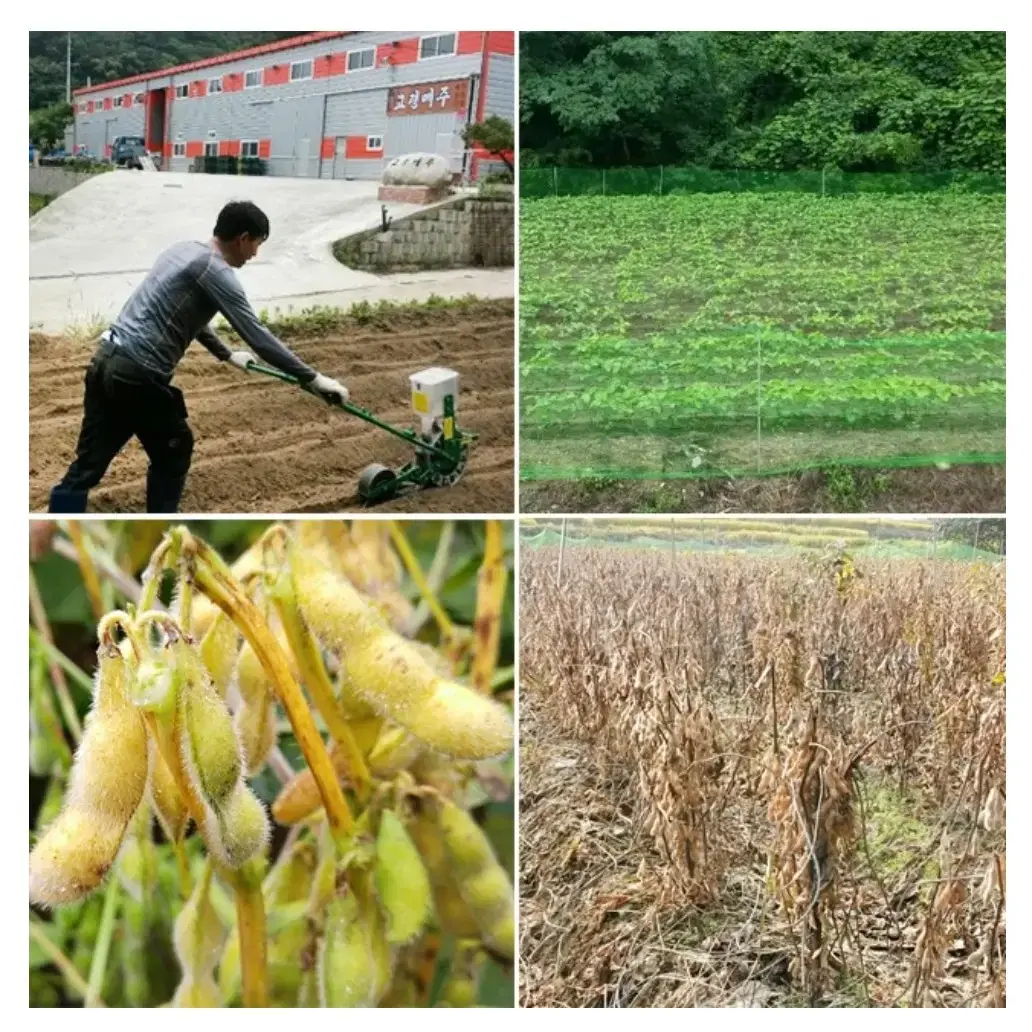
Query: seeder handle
{"points": [[406, 435]]}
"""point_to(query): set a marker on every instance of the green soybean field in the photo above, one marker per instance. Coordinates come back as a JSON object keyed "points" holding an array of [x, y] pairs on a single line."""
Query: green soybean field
{"points": [[749, 334]]}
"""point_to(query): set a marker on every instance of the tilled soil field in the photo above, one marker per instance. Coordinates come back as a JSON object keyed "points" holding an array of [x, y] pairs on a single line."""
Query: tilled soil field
{"points": [[264, 446]]}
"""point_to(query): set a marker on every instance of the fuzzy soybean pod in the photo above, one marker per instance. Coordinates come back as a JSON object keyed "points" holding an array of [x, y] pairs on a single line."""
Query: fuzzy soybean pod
{"points": [[197, 992], [395, 750], [353, 961], [168, 802], [453, 915], [392, 674], [197, 936], [481, 880], [219, 651], [255, 720], [236, 826], [105, 787], [463, 975], [402, 884]]}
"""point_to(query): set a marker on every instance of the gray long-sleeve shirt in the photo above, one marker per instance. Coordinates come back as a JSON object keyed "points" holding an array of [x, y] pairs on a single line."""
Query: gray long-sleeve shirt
{"points": [[188, 284]]}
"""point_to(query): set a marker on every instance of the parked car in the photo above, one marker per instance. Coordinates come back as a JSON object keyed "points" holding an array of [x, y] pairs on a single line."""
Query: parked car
{"points": [[126, 149]]}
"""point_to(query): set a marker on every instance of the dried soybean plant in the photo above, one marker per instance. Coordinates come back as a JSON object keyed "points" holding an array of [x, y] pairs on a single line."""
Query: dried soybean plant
{"points": [[822, 736], [384, 872]]}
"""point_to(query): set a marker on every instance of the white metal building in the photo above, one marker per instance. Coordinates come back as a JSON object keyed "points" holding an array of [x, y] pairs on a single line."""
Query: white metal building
{"points": [[326, 104]]}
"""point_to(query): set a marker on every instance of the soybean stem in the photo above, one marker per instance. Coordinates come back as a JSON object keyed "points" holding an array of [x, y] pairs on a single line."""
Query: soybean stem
{"points": [[313, 673], [215, 580], [183, 864], [98, 965], [487, 623], [415, 571], [39, 618], [55, 655], [250, 909], [434, 578], [60, 961], [86, 567]]}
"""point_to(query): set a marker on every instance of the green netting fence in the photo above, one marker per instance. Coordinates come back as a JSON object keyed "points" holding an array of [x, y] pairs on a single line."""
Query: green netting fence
{"points": [[759, 403], [764, 537], [664, 180]]}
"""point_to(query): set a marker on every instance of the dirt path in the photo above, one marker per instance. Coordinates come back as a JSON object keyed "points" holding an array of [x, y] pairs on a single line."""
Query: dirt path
{"points": [[263, 447]]}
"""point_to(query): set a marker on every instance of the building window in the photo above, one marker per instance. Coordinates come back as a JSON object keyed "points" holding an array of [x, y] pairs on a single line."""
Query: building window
{"points": [[300, 70], [214, 85], [183, 91], [249, 148], [118, 101], [178, 150], [374, 143], [138, 99], [437, 46], [211, 148], [252, 79], [359, 59]]}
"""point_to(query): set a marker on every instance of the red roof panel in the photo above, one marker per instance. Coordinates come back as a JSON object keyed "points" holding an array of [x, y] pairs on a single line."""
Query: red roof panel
{"points": [[208, 62]]}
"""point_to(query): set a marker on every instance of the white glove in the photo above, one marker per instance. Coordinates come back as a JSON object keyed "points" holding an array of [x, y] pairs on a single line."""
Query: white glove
{"points": [[329, 389], [241, 359]]}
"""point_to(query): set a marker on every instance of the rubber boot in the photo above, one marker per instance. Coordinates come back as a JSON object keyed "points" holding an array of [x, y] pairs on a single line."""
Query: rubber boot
{"points": [[164, 492], [62, 499]]}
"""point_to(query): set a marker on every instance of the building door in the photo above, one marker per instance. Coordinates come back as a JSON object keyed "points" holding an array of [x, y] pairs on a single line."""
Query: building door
{"points": [[301, 161], [340, 154], [155, 132]]}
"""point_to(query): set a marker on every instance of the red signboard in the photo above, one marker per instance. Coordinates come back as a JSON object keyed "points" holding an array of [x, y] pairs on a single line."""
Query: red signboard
{"points": [[428, 98]]}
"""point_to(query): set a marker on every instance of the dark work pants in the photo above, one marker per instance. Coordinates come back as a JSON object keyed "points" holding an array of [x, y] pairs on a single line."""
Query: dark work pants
{"points": [[124, 400]]}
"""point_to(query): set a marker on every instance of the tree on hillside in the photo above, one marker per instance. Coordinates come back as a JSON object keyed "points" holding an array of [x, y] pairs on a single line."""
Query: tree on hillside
{"points": [[494, 134], [47, 126], [103, 56], [856, 101]]}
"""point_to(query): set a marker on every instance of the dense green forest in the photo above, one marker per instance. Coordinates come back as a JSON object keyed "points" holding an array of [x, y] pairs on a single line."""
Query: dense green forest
{"points": [[857, 101], [103, 56]]}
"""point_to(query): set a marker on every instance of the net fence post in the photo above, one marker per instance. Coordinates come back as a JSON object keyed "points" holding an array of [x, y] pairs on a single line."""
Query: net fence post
{"points": [[603, 182], [974, 547], [673, 549], [555, 184], [562, 550], [759, 403], [824, 172], [660, 180]]}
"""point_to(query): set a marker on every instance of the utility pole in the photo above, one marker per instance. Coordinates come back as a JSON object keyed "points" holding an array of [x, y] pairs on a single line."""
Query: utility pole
{"points": [[68, 89]]}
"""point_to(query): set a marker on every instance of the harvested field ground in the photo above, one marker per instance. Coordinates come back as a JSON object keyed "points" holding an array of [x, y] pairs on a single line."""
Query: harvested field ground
{"points": [[262, 446], [961, 489], [750, 782]]}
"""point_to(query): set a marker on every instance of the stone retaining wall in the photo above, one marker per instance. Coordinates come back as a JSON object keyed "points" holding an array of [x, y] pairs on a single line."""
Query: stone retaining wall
{"points": [[468, 231], [52, 182]]}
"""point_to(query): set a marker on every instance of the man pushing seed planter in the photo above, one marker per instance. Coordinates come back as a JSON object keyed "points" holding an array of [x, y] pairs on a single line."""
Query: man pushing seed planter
{"points": [[128, 383]]}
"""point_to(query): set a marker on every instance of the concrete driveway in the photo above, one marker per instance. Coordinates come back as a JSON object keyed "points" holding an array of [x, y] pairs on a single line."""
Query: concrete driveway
{"points": [[90, 247]]}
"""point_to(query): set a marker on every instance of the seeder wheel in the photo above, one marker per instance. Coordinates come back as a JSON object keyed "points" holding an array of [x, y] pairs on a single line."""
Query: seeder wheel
{"points": [[373, 481], [440, 478]]}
